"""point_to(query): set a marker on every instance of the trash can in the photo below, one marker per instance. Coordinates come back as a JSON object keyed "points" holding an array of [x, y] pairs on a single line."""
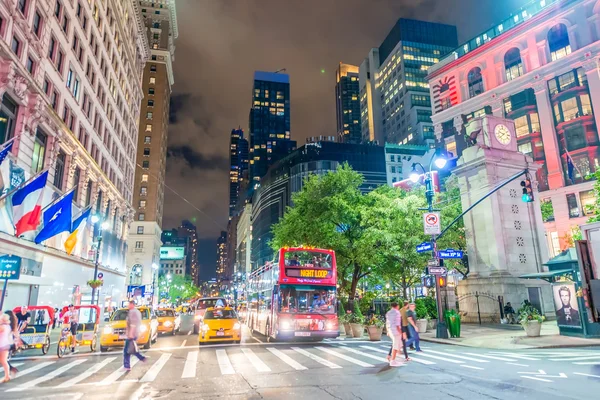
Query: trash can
{"points": [[453, 322]]}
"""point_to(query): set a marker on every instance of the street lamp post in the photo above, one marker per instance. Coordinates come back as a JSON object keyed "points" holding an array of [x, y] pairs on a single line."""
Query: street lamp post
{"points": [[440, 162], [103, 226], [154, 283]]}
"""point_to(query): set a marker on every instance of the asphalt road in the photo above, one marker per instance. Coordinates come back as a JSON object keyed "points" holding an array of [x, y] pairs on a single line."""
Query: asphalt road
{"points": [[342, 369]]}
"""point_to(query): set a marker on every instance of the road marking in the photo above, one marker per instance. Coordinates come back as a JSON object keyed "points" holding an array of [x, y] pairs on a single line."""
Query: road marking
{"points": [[490, 357], [258, 340], [189, 369], [441, 358], [183, 343], [350, 349], [591, 376], [518, 365], [47, 377], [537, 379], [315, 358], [472, 367], [256, 362], [418, 360], [16, 364], [540, 372], [35, 368], [511, 355], [156, 368], [112, 378], [588, 363], [344, 357], [224, 363], [581, 358], [286, 359], [189, 333], [86, 374], [457, 356]]}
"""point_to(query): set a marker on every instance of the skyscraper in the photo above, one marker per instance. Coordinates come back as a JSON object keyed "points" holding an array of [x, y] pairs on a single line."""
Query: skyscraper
{"points": [[347, 104], [160, 24], [269, 122], [221, 256], [394, 92], [238, 161], [188, 230]]}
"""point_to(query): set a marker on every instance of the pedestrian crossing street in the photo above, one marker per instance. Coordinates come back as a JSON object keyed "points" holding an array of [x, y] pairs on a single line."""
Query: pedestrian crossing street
{"points": [[191, 363]]}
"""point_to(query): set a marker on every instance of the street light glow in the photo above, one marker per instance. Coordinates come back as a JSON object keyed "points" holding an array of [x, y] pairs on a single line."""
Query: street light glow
{"points": [[95, 219], [414, 176], [104, 225], [440, 162]]}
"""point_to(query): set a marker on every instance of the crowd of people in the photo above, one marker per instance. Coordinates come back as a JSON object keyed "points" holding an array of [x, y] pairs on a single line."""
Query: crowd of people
{"points": [[401, 325]]}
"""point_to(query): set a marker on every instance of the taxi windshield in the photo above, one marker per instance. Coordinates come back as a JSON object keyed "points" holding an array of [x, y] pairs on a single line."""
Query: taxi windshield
{"points": [[308, 259], [208, 303], [307, 299], [121, 315], [220, 314], [165, 313]]}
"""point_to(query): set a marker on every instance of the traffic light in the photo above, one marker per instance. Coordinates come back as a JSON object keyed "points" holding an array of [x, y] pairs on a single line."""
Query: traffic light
{"points": [[442, 281], [527, 196]]}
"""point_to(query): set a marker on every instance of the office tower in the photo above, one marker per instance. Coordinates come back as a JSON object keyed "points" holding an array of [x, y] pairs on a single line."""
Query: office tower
{"points": [[238, 163], [160, 26], [188, 231], [347, 104], [221, 256], [394, 93], [269, 122]]}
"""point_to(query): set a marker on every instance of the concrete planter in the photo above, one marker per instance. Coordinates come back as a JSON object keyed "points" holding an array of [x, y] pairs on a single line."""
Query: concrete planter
{"points": [[532, 328], [342, 329], [374, 333], [348, 329], [357, 330], [422, 325], [431, 324]]}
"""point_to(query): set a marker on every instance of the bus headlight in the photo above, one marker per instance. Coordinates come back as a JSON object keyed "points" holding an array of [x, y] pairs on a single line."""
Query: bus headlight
{"points": [[329, 325], [285, 324], [237, 326], [107, 330]]}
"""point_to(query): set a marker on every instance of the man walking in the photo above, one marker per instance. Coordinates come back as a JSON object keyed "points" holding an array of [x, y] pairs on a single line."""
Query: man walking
{"points": [[509, 311], [134, 322], [412, 327]]}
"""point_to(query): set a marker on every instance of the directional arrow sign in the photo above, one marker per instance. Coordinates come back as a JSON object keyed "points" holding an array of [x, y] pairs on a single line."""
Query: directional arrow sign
{"points": [[423, 247], [450, 253]]}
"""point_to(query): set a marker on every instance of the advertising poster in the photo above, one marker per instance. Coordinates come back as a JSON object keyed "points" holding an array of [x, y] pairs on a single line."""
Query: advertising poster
{"points": [[565, 303]]}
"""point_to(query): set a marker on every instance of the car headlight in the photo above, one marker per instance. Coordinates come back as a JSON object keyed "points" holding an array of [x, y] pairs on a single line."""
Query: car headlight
{"points": [[197, 317], [205, 328], [168, 323], [143, 328], [237, 326], [285, 324], [107, 330]]}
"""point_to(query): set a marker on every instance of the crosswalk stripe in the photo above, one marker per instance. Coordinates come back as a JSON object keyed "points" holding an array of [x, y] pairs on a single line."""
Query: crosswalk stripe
{"points": [[224, 363], [318, 359], [34, 368], [512, 355], [87, 373], [492, 357], [256, 362], [472, 367], [286, 359], [588, 375], [581, 358], [48, 376], [457, 356], [420, 361], [155, 369], [362, 353], [450, 360], [587, 363], [344, 357], [112, 378], [189, 369], [16, 364]]}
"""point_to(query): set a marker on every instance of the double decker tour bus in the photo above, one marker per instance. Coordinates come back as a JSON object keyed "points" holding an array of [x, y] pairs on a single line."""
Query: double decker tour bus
{"points": [[295, 296]]}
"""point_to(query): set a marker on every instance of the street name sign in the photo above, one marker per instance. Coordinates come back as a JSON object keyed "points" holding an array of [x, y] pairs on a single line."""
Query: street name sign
{"points": [[437, 270], [423, 247], [450, 253], [10, 267], [431, 223], [434, 262]]}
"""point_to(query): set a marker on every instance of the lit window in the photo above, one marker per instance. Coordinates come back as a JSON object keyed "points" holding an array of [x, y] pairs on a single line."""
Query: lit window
{"points": [[513, 64], [558, 42], [148, 115], [147, 139], [139, 244], [475, 81], [525, 148], [140, 230], [148, 127], [152, 80], [144, 177]]}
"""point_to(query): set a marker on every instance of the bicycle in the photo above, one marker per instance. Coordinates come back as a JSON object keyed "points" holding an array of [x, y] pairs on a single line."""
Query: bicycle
{"points": [[66, 341]]}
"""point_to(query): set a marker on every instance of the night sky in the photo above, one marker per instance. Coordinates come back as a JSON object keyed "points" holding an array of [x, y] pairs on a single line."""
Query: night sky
{"points": [[222, 42]]}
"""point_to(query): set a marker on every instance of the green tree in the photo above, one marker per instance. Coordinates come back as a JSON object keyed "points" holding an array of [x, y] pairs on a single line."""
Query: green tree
{"points": [[176, 288], [449, 202]]}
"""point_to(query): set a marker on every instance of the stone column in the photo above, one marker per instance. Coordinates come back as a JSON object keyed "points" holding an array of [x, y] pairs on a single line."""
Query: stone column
{"points": [[591, 70], [555, 174]]}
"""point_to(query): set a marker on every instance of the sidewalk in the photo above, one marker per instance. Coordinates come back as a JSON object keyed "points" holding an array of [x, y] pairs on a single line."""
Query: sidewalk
{"points": [[509, 337]]}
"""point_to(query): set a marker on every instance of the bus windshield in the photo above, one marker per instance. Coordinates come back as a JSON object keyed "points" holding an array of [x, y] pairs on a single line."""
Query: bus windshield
{"points": [[307, 299], [308, 259]]}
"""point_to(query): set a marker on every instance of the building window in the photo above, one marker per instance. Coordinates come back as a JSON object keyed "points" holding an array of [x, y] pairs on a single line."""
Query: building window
{"points": [[76, 177], [144, 177], [30, 65], [142, 203], [141, 217], [150, 103], [151, 90], [475, 81], [143, 191], [153, 68], [59, 170], [16, 46], [8, 117], [588, 200], [139, 245], [393, 170], [558, 42], [145, 164], [573, 207], [147, 139], [39, 151], [513, 64], [37, 24], [148, 115], [152, 80], [148, 127], [140, 230], [525, 148], [392, 158], [146, 151], [88, 196], [555, 243], [522, 126], [22, 6]]}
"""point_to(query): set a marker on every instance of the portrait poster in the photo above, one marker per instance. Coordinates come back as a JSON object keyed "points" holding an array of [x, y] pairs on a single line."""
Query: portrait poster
{"points": [[565, 304]]}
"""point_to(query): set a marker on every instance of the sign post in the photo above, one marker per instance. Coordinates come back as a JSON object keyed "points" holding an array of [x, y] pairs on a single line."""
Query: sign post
{"points": [[10, 270]]}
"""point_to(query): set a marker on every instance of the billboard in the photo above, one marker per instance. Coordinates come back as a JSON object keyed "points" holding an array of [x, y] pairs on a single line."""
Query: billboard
{"points": [[566, 306], [172, 253]]}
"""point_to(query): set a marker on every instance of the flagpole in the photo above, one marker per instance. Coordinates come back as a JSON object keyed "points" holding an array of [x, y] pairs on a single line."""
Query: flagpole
{"points": [[82, 211], [23, 184], [59, 198], [572, 162], [5, 144]]}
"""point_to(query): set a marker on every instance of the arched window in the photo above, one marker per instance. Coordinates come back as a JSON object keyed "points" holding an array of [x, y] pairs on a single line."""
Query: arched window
{"points": [[513, 64], [558, 41], [475, 82]]}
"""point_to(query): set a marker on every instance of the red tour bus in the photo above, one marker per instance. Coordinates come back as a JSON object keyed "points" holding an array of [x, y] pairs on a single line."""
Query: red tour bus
{"points": [[295, 296]]}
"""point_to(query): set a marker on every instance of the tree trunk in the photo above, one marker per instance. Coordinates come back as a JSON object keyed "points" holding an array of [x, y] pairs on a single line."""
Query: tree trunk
{"points": [[353, 286]]}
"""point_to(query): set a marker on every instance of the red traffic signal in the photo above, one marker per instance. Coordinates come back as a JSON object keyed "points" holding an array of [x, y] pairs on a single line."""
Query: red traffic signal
{"points": [[527, 196]]}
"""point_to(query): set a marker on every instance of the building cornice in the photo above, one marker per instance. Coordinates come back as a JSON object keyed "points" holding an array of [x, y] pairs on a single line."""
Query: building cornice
{"points": [[168, 61], [173, 13], [142, 39]]}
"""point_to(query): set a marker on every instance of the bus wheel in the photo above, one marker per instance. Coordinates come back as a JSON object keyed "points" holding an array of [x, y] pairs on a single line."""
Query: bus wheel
{"points": [[269, 338]]}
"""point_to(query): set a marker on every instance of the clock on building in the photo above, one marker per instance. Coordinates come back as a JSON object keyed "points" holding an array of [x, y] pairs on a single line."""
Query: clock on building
{"points": [[503, 134]]}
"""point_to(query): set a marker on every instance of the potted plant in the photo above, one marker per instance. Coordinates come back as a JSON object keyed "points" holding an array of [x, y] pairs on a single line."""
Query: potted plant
{"points": [[531, 320], [375, 327], [422, 316], [356, 323], [95, 283], [345, 321]]}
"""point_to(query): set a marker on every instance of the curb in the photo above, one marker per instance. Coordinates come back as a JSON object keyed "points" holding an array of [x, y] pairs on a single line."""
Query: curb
{"points": [[552, 346]]}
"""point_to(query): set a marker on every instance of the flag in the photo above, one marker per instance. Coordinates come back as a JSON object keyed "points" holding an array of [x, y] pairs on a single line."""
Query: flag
{"points": [[77, 226], [570, 169], [27, 204], [57, 218], [5, 151]]}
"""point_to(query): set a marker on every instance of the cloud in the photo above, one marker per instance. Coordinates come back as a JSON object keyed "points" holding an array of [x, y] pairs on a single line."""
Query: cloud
{"points": [[197, 160]]}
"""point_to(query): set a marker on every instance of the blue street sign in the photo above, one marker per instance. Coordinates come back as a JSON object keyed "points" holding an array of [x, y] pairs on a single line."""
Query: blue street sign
{"points": [[10, 267], [423, 247], [378, 287], [450, 253]]}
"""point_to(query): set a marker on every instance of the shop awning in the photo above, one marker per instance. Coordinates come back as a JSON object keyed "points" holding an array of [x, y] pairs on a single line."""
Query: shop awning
{"points": [[547, 276]]}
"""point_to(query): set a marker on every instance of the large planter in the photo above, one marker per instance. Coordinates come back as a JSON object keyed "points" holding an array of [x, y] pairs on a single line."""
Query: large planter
{"points": [[532, 328], [422, 325], [342, 329], [348, 329], [357, 330], [374, 333], [431, 324]]}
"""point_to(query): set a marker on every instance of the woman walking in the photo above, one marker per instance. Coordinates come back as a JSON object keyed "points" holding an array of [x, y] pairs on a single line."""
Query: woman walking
{"points": [[5, 343], [16, 340]]}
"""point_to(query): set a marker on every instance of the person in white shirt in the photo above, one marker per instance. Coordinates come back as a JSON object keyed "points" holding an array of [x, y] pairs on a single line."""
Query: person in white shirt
{"points": [[394, 329]]}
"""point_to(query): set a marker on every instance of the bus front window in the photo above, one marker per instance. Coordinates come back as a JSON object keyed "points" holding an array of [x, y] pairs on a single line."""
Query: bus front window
{"points": [[307, 299]]}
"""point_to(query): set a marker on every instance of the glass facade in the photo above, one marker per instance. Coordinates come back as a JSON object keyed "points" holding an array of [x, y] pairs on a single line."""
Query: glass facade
{"points": [[348, 104]]}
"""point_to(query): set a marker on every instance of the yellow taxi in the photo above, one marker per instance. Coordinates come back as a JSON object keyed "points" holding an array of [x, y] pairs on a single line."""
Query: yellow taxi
{"points": [[114, 332], [169, 321], [220, 325]]}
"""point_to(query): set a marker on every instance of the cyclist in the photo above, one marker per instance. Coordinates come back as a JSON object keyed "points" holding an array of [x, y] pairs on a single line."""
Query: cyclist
{"points": [[72, 316]]}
